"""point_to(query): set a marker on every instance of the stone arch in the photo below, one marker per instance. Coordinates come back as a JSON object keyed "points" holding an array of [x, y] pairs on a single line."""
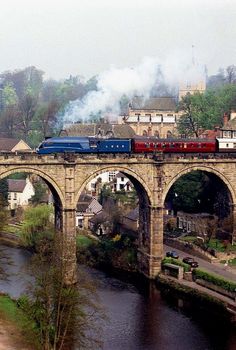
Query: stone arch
{"points": [[204, 169], [126, 171], [40, 173]]}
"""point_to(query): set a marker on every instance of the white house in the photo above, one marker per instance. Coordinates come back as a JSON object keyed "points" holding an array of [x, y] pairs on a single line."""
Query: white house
{"points": [[102, 178], [19, 192]]}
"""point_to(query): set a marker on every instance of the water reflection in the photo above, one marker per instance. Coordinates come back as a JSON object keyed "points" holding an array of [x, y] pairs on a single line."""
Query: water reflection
{"points": [[140, 317]]}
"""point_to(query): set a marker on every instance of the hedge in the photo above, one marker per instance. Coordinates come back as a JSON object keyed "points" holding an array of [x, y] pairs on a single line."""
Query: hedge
{"points": [[214, 279], [176, 262]]}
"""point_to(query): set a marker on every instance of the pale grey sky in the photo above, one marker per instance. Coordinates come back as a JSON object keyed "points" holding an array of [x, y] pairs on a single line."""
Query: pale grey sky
{"points": [[87, 37]]}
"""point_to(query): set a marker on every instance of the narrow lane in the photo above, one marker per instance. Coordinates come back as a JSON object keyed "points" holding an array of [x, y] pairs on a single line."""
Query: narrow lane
{"points": [[217, 268]]}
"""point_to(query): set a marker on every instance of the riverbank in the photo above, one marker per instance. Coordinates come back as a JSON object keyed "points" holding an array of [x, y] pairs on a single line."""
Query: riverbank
{"points": [[15, 330], [197, 292]]}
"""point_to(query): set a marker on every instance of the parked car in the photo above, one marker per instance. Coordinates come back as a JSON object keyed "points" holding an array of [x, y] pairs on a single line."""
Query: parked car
{"points": [[190, 261], [172, 254]]}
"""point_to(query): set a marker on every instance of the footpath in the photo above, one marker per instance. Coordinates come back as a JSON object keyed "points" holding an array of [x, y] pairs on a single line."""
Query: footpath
{"points": [[229, 304]]}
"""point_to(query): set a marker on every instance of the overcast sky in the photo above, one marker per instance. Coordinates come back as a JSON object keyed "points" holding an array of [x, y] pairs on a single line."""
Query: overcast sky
{"points": [[87, 37]]}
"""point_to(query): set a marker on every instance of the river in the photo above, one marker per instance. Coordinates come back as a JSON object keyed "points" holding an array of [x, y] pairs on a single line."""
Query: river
{"points": [[139, 316]]}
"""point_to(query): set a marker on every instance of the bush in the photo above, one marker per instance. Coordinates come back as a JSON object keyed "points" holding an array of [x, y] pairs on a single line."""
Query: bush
{"points": [[173, 261], [214, 279]]}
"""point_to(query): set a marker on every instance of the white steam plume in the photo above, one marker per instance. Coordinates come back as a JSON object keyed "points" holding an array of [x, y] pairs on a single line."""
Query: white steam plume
{"points": [[136, 81]]}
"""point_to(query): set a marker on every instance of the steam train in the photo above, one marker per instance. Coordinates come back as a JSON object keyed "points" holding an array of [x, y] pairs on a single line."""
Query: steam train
{"points": [[137, 144]]}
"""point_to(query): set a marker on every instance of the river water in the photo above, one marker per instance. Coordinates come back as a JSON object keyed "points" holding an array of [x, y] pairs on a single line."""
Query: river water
{"points": [[139, 316]]}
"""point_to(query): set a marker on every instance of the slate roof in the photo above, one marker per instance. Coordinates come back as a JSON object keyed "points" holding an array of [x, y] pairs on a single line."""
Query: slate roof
{"points": [[88, 204], [102, 129], [154, 103], [102, 216], [133, 214], [16, 185], [6, 144]]}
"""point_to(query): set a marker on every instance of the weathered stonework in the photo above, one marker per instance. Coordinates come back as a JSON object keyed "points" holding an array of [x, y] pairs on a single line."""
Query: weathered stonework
{"points": [[152, 177]]}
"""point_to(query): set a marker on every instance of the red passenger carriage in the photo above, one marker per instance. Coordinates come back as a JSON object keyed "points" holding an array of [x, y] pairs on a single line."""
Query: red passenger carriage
{"points": [[150, 145]]}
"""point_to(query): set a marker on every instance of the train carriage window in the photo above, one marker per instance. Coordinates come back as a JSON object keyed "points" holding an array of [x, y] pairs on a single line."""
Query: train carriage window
{"points": [[147, 145], [234, 145], [185, 145], [199, 145]]}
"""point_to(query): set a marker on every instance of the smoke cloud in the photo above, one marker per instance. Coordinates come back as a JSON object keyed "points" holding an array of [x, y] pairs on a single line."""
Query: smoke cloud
{"points": [[136, 81]]}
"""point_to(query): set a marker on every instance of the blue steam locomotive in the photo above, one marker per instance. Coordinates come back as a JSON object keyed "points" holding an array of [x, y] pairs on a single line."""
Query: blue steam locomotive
{"points": [[84, 145]]}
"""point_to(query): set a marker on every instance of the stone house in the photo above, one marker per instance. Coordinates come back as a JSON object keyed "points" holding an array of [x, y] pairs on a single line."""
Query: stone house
{"points": [[100, 223], [13, 145], [130, 221], [87, 207], [196, 223], [156, 116], [19, 193]]}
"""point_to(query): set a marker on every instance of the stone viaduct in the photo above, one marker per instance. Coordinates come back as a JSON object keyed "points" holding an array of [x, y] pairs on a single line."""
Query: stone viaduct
{"points": [[67, 175]]}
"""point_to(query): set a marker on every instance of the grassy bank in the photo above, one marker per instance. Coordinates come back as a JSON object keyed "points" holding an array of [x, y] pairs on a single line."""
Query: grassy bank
{"points": [[10, 313]]}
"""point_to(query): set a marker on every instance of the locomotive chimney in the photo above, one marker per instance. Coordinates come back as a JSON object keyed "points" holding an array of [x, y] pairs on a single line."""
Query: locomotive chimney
{"points": [[225, 118]]}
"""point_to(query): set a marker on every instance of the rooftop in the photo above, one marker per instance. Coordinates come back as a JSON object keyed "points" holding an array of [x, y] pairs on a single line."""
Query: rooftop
{"points": [[16, 185], [154, 103]]}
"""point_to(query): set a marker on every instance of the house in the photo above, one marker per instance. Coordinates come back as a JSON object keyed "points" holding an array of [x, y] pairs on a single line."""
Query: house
{"points": [[116, 180], [121, 182], [100, 223], [228, 130], [87, 207], [131, 220], [13, 145], [199, 223], [19, 193], [156, 116]]}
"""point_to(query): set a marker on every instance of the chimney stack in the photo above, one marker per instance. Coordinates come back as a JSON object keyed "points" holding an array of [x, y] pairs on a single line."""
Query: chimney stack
{"points": [[225, 118]]}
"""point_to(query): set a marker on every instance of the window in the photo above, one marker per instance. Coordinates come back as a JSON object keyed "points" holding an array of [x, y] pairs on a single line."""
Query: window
{"points": [[226, 134], [144, 132], [122, 179], [122, 186], [15, 195], [234, 134], [111, 175], [9, 195]]}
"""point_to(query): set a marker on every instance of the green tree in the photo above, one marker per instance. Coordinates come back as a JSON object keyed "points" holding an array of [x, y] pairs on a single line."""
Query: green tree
{"points": [[4, 190], [63, 314], [37, 224], [40, 189]]}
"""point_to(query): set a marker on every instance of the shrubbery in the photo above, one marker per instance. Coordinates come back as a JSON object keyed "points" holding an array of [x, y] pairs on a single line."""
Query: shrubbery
{"points": [[118, 252], [214, 279], [176, 262]]}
